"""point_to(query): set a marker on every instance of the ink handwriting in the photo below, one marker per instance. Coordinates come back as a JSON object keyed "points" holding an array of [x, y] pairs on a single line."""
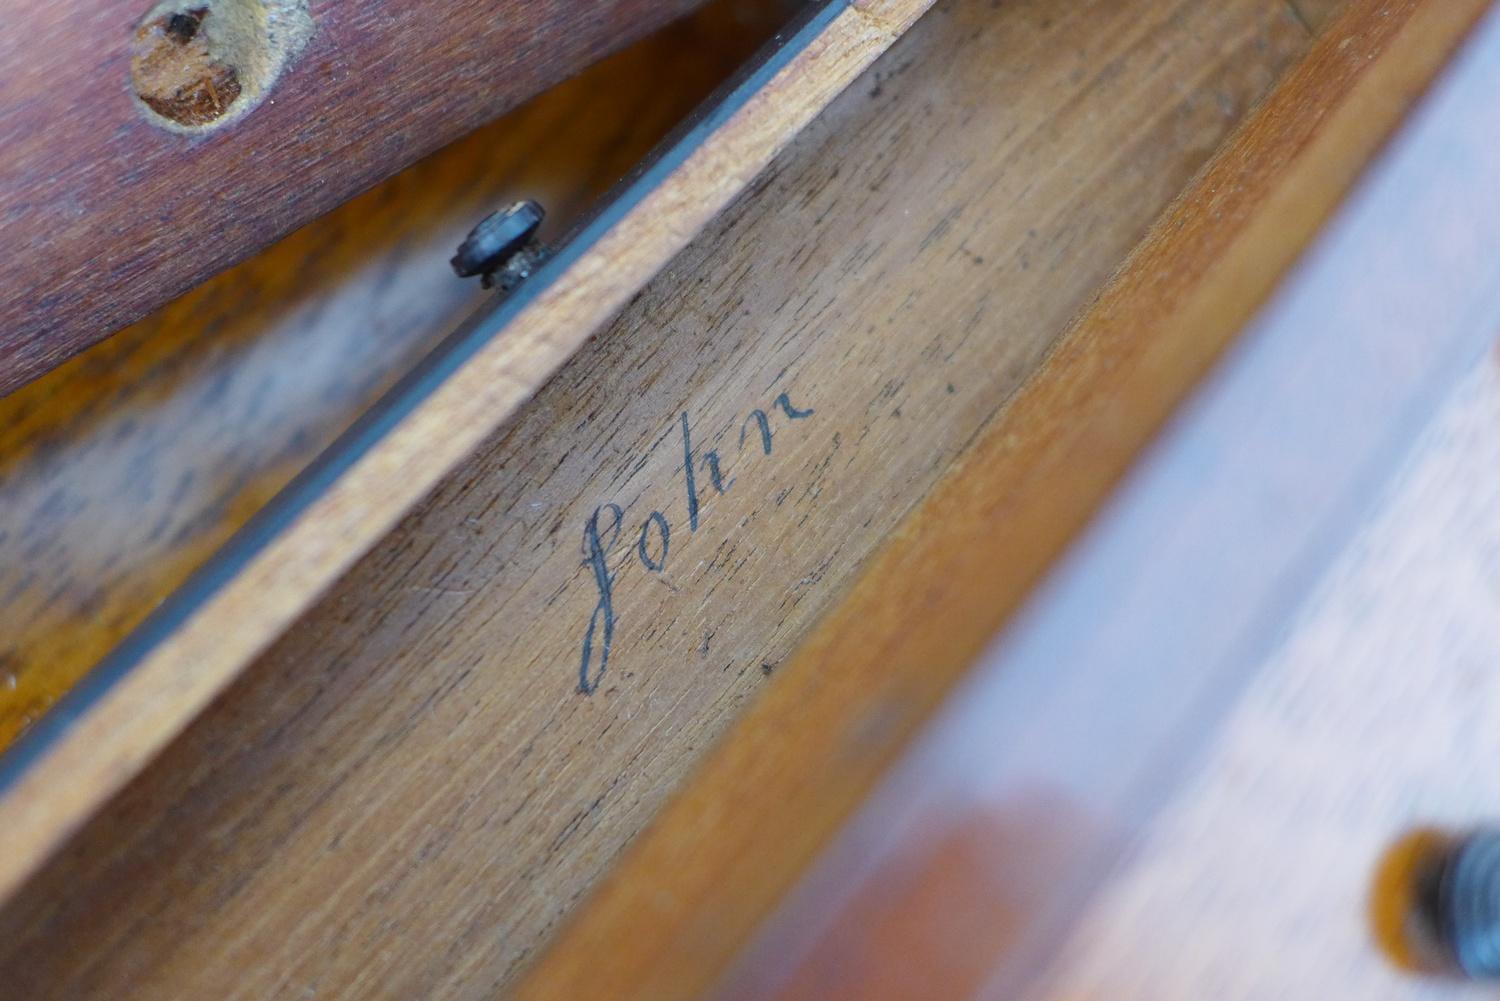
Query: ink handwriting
{"points": [[653, 541]]}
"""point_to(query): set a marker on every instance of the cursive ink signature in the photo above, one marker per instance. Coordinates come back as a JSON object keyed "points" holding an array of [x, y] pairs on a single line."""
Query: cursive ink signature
{"points": [[653, 541]]}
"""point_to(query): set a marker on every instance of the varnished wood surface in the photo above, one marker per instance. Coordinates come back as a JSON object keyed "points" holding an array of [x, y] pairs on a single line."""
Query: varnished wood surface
{"points": [[407, 793], [238, 602], [1269, 663], [679, 906], [111, 215]]}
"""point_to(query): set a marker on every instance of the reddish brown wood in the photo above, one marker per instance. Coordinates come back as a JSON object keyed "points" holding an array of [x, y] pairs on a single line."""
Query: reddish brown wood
{"points": [[107, 214]]}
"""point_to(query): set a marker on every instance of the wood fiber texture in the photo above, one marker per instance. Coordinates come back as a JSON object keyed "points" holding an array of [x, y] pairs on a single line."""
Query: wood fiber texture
{"points": [[678, 908], [409, 791]]}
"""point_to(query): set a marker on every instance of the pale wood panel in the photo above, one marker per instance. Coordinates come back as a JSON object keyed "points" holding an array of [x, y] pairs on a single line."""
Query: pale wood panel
{"points": [[210, 629], [123, 470], [677, 907], [407, 793]]}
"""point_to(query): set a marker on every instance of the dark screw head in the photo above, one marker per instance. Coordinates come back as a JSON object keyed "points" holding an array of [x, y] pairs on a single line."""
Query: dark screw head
{"points": [[1459, 897], [497, 238]]}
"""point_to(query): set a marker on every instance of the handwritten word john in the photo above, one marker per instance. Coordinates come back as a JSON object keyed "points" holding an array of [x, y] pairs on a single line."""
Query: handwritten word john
{"points": [[653, 542]]}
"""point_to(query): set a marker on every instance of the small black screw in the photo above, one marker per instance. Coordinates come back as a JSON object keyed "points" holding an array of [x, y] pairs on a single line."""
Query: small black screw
{"points": [[503, 247], [1458, 899]]}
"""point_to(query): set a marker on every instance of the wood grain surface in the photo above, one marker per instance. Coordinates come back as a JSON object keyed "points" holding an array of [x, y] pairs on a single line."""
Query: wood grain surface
{"points": [[117, 215], [239, 601], [407, 793], [677, 908], [1195, 762]]}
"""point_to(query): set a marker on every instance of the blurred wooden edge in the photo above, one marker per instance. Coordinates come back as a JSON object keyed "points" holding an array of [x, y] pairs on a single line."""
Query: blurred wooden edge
{"points": [[689, 894], [197, 642]]}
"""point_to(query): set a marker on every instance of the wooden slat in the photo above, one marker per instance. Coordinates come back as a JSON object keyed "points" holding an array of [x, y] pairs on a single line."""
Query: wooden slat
{"points": [[407, 793], [192, 646], [117, 215], [684, 900]]}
